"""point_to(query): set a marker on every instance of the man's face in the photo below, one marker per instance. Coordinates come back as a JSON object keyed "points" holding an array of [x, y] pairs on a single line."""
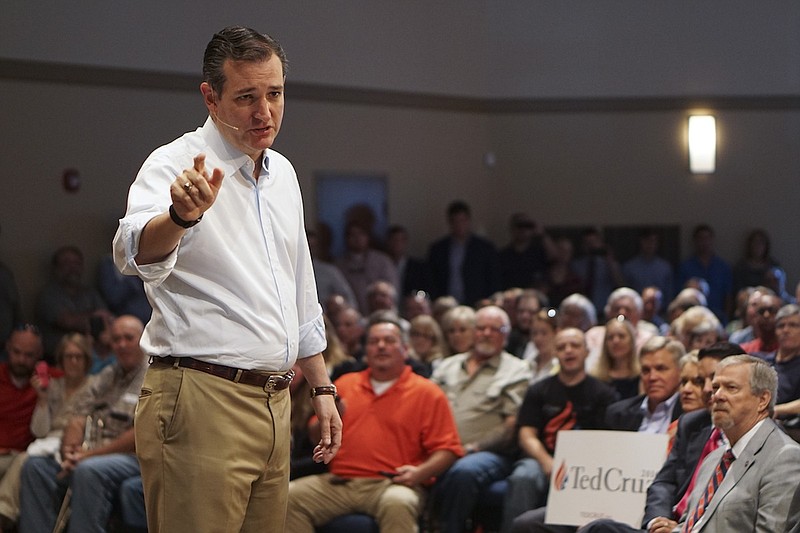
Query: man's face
{"points": [[526, 309], [381, 298], [788, 332], [571, 351], [707, 370], [692, 397], [385, 351], [734, 406], [24, 350], [349, 327], [651, 302], [252, 101], [357, 239], [703, 242], [69, 268], [661, 375], [768, 307], [125, 335], [490, 334], [397, 244], [459, 225], [626, 307]]}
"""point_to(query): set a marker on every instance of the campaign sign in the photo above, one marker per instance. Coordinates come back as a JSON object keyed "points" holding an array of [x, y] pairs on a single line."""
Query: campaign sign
{"points": [[603, 474]]}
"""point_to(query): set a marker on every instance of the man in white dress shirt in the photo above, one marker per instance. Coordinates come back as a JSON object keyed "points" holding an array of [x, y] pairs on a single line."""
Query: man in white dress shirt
{"points": [[227, 268]]}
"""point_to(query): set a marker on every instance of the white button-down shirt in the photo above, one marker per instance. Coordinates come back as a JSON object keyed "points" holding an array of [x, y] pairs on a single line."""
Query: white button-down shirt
{"points": [[239, 288]]}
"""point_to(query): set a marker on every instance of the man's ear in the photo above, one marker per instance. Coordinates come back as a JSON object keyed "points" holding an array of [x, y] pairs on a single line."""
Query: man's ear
{"points": [[208, 96]]}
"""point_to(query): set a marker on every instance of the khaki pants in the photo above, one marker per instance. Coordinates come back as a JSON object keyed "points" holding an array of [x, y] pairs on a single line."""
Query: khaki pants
{"points": [[214, 454], [10, 470], [315, 500]]}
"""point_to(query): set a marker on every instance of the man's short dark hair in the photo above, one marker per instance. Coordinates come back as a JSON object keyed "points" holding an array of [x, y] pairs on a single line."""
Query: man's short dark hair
{"points": [[720, 350], [238, 44], [457, 207], [700, 228]]}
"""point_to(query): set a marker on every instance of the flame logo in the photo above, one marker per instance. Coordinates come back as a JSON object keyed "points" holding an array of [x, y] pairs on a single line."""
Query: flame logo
{"points": [[561, 476]]}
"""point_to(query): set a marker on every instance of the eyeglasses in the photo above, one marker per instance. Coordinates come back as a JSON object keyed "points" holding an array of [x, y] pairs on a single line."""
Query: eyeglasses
{"points": [[765, 310], [492, 329]]}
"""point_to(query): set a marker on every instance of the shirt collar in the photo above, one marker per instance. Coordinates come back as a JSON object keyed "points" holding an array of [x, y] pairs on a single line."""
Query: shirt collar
{"points": [[667, 404], [742, 443], [232, 158]]}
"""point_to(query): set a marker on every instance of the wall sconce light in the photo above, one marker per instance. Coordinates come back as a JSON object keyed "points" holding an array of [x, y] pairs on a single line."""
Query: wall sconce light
{"points": [[702, 144]]}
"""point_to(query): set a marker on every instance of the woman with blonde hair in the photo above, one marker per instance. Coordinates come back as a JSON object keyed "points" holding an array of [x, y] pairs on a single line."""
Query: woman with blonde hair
{"points": [[427, 341], [458, 325], [618, 364]]}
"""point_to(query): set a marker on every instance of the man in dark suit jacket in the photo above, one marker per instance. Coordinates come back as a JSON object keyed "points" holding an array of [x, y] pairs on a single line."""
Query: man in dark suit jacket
{"points": [[412, 272], [653, 411], [462, 264]]}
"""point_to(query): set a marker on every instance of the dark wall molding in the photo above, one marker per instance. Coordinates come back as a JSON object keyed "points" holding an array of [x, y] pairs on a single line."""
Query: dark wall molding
{"points": [[20, 70]]}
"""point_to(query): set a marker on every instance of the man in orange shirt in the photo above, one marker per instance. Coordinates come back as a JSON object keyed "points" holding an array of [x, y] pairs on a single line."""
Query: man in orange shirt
{"points": [[399, 433]]}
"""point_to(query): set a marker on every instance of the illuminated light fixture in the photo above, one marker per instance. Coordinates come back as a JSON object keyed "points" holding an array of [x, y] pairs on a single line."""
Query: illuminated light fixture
{"points": [[702, 144]]}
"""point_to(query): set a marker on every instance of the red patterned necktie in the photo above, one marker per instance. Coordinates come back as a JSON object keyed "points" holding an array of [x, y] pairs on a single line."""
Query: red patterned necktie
{"points": [[713, 485], [714, 441]]}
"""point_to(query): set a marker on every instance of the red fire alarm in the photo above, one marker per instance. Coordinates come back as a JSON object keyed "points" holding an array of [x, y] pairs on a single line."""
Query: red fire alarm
{"points": [[71, 180]]}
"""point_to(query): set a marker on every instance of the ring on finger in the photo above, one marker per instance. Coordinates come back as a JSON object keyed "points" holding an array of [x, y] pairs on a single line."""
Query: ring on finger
{"points": [[187, 186]]}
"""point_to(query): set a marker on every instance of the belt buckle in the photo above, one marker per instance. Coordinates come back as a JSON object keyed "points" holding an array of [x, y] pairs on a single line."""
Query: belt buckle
{"points": [[270, 385]]}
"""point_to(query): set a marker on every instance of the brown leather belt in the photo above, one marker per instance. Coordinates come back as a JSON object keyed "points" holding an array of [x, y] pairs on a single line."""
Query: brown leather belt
{"points": [[269, 381]]}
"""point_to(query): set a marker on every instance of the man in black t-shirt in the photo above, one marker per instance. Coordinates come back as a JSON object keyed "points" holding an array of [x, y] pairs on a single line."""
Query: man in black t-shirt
{"points": [[569, 400]]}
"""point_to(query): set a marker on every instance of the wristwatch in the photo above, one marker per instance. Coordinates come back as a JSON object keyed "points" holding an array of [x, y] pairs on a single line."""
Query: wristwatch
{"points": [[325, 389], [186, 224]]}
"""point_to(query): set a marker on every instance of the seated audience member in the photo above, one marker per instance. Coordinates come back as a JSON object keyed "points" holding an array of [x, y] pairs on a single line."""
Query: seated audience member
{"points": [[362, 265], [349, 326], [652, 305], [688, 297], [668, 495], [337, 362], [738, 321], [760, 465], [458, 326], [411, 419], [485, 387], [561, 279], [598, 267], [786, 361], [747, 332], [18, 400], [528, 303], [765, 340], [96, 473], [627, 303], [462, 264], [618, 364], [569, 400], [57, 398], [647, 269], [382, 296], [124, 294], [540, 352], [707, 265], [415, 304], [692, 382], [102, 351], [658, 407], [412, 273], [697, 327], [577, 311], [328, 277], [441, 306], [750, 269], [427, 342], [65, 304], [523, 261]]}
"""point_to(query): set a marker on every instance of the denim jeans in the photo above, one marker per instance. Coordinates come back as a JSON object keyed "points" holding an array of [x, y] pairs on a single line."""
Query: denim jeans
{"points": [[456, 492], [95, 484]]}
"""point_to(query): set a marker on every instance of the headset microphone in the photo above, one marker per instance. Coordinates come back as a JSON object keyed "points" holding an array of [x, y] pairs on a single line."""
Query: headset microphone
{"points": [[225, 123]]}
